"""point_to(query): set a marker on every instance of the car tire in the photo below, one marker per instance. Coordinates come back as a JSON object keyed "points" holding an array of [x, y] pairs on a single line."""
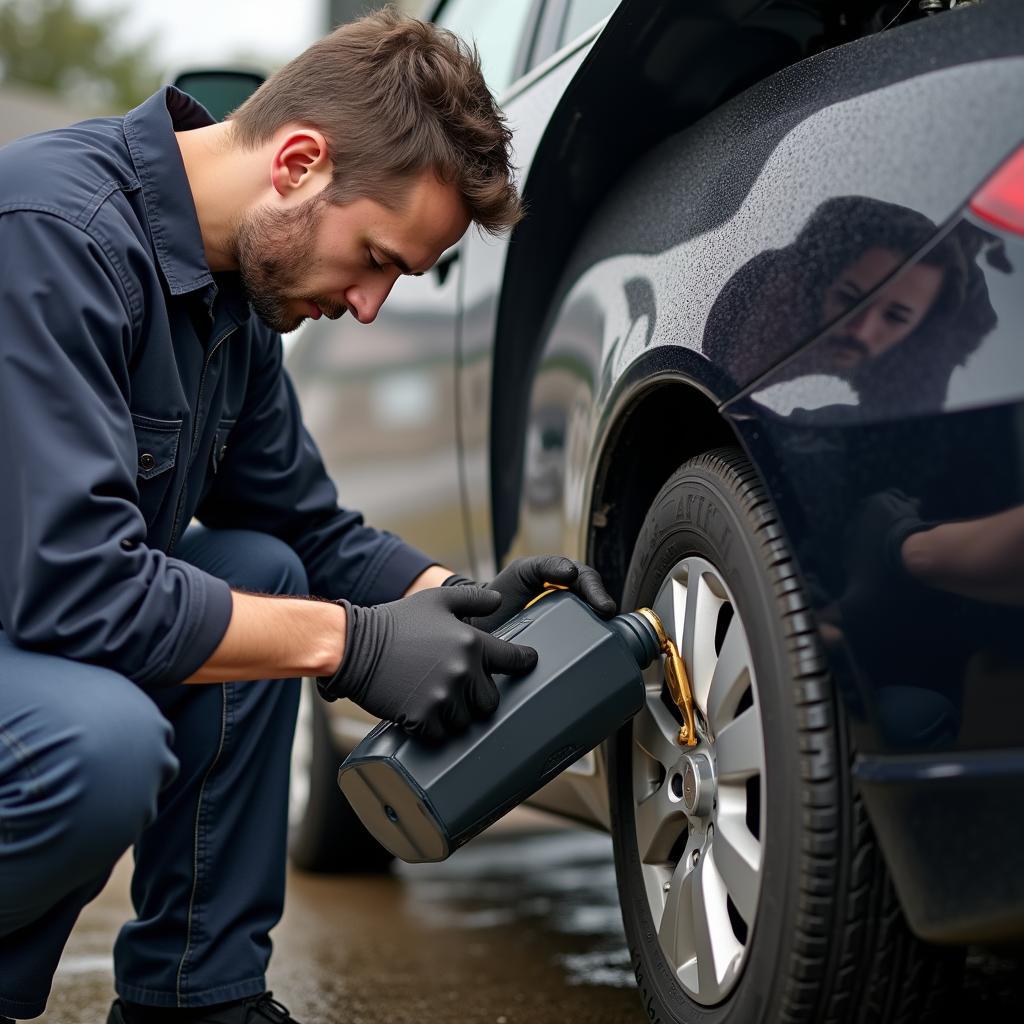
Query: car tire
{"points": [[826, 940], [325, 835]]}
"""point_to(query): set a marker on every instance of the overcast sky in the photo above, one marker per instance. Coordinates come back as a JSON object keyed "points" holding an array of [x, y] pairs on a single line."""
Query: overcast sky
{"points": [[193, 32]]}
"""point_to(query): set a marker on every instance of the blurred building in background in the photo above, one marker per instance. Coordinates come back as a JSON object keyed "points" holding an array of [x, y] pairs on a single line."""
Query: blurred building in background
{"points": [[65, 60]]}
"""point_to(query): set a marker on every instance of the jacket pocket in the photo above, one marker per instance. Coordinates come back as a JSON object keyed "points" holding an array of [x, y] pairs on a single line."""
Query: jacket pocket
{"points": [[220, 443], [157, 444]]}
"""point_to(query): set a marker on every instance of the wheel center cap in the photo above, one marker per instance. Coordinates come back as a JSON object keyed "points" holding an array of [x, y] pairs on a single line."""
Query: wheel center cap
{"points": [[698, 785]]}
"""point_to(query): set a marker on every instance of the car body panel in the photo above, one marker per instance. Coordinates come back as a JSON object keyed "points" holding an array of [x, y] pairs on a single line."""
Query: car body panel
{"points": [[617, 306], [528, 112]]}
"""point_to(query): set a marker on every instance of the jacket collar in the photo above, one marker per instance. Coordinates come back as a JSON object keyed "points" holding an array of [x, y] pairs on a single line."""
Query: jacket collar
{"points": [[170, 210]]}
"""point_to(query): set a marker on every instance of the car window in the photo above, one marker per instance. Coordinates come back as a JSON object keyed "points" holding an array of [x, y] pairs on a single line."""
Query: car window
{"points": [[497, 30], [581, 14]]}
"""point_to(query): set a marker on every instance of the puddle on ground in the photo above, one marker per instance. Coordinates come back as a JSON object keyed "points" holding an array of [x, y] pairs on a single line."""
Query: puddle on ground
{"points": [[524, 927], [562, 883]]}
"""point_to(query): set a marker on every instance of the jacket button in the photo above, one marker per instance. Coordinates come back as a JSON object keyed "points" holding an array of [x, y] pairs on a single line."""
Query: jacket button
{"points": [[223, 452], [146, 461]]}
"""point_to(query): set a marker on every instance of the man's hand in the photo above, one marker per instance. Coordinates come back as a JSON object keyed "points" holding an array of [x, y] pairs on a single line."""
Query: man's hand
{"points": [[881, 596], [418, 662], [875, 538], [522, 580]]}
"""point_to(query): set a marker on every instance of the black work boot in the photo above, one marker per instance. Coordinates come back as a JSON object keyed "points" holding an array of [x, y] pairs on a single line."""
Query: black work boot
{"points": [[262, 1009]]}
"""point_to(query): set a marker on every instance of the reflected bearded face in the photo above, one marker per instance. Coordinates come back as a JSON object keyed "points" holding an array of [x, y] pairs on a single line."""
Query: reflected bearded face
{"points": [[892, 316]]}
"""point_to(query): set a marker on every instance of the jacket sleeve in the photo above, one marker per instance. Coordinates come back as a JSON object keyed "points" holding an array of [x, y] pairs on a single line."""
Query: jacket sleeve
{"points": [[273, 480], [76, 577]]}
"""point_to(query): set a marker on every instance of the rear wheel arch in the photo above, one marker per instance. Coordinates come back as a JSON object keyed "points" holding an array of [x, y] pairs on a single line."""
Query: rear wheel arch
{"points": [[634, 463]]}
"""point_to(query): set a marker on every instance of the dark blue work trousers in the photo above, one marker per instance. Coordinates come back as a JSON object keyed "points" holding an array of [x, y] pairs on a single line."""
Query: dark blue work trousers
{"points": [[195, 776]]}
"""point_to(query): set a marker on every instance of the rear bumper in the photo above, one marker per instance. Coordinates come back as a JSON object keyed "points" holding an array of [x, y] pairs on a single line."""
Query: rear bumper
{"points": [[951, 827]]}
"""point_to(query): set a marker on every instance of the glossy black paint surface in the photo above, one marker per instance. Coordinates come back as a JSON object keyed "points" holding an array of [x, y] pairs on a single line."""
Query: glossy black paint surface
{"points": [[915, 117]]}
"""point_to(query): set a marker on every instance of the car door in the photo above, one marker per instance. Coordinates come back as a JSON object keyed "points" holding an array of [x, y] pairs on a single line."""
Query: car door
{"points": [[564, 33]]}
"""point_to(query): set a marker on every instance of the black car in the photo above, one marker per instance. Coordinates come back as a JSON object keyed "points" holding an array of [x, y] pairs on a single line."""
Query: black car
{"points": [[757, 354]]}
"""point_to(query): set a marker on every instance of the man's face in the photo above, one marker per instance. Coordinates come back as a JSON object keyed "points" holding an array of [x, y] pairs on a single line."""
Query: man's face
{"points": [[893, 315], [322, 259]]}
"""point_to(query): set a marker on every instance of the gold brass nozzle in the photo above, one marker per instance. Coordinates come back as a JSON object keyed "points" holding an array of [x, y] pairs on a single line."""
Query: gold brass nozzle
{"points": [[677, 679]]}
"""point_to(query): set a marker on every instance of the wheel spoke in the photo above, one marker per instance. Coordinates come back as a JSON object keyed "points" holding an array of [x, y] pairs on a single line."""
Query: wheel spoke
{"points": [[716, 946], [738, 747], [738, 859], [685, 638], [698, 640], [655, 876], [670, 607], [659, 820], [675, 929], [655, 732], [730, 678]]}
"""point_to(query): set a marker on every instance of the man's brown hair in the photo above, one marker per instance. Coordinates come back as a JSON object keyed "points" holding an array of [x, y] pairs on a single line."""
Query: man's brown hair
{"points": [[394, 96]]}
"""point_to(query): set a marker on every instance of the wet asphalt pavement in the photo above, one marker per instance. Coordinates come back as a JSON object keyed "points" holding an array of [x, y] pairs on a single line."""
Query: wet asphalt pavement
{"points": [[520, 927]]}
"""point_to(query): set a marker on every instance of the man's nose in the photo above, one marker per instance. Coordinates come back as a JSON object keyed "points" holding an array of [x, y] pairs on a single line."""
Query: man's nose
{"points": [[365, 300], [868, 327]]}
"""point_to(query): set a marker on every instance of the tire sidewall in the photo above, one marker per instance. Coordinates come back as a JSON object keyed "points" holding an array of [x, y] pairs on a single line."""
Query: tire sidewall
{"points": [[307, 835], [329, 838], [698, 513]]}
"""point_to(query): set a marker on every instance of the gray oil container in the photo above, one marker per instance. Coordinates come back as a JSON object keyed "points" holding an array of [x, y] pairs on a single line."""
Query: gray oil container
{"points": [[422, 801]]}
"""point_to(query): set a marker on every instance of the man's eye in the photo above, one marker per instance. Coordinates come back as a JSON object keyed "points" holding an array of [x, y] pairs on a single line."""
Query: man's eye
{"points": [[896, 318], [373, 263]]}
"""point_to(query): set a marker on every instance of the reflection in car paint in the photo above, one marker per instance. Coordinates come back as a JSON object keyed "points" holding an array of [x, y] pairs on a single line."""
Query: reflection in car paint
{"points": [[921, 611], [931, 314], [927, 320]]}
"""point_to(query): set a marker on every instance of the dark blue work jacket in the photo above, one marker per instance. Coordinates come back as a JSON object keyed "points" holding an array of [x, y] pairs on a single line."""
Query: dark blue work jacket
{"points": [[135, 392]]}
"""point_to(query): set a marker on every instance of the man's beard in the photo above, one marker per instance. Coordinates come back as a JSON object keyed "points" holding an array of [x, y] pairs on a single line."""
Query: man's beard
{"points": [[273, 253]]}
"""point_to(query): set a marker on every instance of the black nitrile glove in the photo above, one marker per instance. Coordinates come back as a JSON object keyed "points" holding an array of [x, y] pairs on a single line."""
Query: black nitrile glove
{"points": [[882, 604], [416, 661], [522, 580], [875, 536]]}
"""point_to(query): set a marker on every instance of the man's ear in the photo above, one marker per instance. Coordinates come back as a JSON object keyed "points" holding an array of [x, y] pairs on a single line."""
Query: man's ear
{"points": [[300, 162]]}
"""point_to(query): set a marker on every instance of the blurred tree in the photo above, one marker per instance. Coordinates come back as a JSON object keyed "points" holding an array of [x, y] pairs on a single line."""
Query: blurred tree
{"points": [[52, 46]]}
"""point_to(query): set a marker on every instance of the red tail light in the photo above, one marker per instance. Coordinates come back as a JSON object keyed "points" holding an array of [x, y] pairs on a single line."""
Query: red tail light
{"points": [[1000, 200]]}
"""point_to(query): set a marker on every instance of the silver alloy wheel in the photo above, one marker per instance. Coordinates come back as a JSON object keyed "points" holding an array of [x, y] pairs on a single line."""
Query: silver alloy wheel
{"points": [[302, 758], [700, 810]]}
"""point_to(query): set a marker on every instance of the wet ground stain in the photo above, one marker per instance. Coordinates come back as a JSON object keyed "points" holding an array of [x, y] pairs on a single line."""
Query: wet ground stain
{"points": [[515, 930], [520, 927]]}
